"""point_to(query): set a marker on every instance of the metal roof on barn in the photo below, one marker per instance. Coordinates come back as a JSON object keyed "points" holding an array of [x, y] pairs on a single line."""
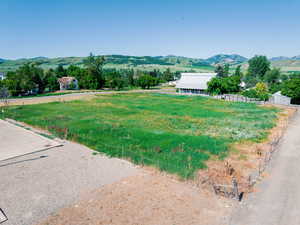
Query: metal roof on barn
{"points": [[194, 80]]}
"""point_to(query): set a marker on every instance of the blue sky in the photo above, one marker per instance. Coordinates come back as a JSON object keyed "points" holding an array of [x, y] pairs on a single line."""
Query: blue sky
{"points": [[193, 28]]}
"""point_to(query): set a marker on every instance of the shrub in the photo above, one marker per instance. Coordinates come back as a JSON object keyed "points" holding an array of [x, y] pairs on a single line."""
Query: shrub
{"points": [[259, 92], [72, 86], [291, 88], [147, 81], [224, 85]]}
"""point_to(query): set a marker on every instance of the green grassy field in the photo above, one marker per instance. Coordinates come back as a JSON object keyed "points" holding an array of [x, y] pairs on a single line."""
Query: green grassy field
{"points": [[176, 134]]}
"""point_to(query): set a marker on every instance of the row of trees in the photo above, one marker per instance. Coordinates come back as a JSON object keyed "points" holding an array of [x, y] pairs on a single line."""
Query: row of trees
{"points": [[225, 82], [31, 79], [260, 80]]}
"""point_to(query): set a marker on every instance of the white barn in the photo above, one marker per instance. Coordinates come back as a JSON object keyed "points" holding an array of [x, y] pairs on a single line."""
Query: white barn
{"points": [[194, 83]]}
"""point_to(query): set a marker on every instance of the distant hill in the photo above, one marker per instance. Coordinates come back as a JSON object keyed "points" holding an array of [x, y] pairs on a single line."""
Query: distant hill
{"points": [[296, 57], [290, 65], [286, 64], [147, 63], [178, 63], [230, 59], [283, 58], [279, 58]]}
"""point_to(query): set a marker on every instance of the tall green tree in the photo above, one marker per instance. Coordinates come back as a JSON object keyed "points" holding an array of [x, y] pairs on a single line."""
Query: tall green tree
{"points": [[114, 80], [272, 76], [94, 66], [291, 88], [226, 70], [146, 81], [130, 77], [238, 71], [168, 75], [224, 85], [60, 71], [26, 79], [220, 71], [259, 66], [51, 80]]}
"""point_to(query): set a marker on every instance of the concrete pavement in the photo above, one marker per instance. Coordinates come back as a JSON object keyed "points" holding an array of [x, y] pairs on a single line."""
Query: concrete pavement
{"points": [[36, 185], [16, 141]]}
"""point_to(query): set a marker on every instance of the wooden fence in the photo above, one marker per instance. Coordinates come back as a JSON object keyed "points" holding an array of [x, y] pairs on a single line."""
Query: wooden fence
{"points": [[237, 98]]}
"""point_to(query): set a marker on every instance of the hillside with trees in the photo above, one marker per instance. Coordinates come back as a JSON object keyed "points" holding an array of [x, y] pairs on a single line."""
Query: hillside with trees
{"points": [[148, 63], [260, 80], [175, 63], [31, 78]]}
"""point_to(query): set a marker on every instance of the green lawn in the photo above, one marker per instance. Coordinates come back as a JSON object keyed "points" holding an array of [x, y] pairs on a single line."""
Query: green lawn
{"points": [[174, 133]]}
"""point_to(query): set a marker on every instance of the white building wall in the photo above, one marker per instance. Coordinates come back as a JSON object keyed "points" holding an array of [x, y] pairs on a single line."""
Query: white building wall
{"points": [[280, 99]]}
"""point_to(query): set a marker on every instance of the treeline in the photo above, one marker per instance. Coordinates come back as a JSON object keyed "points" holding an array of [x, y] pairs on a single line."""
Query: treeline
{"points": [[31, 79], [259, 80]]}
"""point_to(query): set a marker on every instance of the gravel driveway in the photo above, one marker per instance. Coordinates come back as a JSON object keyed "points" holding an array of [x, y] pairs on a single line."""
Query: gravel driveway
{"points": [[37, 185]]}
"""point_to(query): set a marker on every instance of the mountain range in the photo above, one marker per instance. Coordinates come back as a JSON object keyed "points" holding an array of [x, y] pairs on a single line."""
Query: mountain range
{"points": [[179, 63]]}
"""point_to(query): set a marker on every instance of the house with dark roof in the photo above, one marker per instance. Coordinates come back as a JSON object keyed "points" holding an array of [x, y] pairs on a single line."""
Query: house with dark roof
{"points": [[67, 83]]}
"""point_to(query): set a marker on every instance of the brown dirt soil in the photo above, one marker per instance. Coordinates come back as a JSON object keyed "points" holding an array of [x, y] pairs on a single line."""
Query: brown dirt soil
{"points": [[244, 160], [76, 95], [149, 198], [46, 99]]}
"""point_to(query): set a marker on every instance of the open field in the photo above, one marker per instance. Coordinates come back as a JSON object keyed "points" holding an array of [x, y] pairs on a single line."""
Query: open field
{"points": [[177, 134]]}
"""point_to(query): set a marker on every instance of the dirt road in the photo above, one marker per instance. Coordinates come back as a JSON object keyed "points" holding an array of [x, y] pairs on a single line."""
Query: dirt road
{"points": [[277, 199], [69, 97]]}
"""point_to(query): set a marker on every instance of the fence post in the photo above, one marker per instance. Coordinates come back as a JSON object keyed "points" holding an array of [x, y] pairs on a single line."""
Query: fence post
{"points": [[249, 181], [235, 189]]}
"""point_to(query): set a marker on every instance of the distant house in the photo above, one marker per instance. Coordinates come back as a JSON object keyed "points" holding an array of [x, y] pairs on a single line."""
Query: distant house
{"points": [[194, 83], [280, 99], [67, 83], [2, 75]]}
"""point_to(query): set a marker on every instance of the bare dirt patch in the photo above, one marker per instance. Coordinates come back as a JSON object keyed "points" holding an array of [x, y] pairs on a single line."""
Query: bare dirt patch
{"points": [[149, 199], [46, 99]]}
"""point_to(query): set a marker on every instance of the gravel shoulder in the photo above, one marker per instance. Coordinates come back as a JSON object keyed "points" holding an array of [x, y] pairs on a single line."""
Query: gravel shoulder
{"points": [[277, 197]]}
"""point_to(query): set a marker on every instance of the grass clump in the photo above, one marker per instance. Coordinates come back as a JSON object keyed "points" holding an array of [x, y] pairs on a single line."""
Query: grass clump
{"points": [[177, 134]]}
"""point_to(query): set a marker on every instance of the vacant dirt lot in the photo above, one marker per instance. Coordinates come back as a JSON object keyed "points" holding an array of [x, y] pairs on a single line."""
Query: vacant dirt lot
{"points": [[149, 199]]}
